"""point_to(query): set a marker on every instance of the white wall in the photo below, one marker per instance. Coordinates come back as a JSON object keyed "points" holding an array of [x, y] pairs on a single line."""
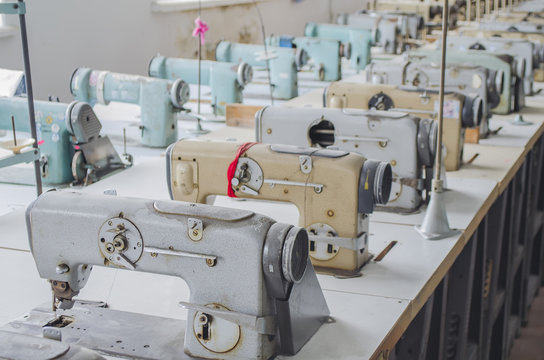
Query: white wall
{"points": [[122, 35]]}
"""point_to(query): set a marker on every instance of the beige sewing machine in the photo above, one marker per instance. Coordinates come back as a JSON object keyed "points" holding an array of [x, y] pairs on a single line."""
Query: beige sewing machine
{"points": [[333, 190], [459, 111]]}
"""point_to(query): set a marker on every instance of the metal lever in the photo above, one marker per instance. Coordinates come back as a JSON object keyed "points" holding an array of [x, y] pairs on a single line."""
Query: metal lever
{"points": [[318, 188], [430, 112], [261, 324], [210, 259], [124, 261], [383, 141]]}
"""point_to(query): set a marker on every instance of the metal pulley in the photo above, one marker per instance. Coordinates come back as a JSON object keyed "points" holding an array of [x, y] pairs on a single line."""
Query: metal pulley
{"points": [[79, 167], [179, 93], [380, 101], [244, 74]]}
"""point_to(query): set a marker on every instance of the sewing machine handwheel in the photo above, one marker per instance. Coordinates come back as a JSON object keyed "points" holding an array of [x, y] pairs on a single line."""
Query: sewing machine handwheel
{"points": [[179, 93], [321, 73], [79, 170], [295, 254], [244, 74], [380, 101], [285, 255]]}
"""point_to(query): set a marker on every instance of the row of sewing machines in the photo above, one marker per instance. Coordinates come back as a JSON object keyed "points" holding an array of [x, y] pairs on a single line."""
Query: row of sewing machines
{"points": [[371, 147]]}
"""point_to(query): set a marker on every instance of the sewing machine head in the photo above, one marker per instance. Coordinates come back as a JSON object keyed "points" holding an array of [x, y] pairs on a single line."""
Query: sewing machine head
{"points": [[524, 27], [387, 29], [361, 40], [250, 309], [430, 12], [69, 139], [512, 95], [159, 99], [459, 111], [227, 80], [324, 54], [406, 142], [522, 50], [283, 63], [464, 79], [333, 190], [537, 39], [412, 25]]}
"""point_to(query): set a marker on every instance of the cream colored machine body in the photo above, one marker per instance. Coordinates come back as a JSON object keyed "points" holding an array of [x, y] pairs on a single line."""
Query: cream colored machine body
{"points": [[459, 111], [464, 79], [333, 190]]}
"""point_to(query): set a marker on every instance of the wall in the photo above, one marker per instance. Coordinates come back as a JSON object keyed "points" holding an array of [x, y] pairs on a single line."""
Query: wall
{"points": [[122, 35]]}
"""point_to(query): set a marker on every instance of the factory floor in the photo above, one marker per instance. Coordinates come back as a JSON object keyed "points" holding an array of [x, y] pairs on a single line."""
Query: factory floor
{"points": [[530, 343]]}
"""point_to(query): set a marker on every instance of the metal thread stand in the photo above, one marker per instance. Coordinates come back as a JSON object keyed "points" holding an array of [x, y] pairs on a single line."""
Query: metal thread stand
{"points": [[199, 130], [19, 8]]}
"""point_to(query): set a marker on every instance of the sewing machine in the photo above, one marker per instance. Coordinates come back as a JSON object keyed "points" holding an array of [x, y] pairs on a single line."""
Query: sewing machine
{"points": [[460, 111], [387, 28], [283, 64], [464, 79], [536, 38], [268, 304], [404, 141], [324, 54], [411, 25], [517, 26], [361, 40], [333, 190], [227, 80], [512, 94], [69, 139], [522, 50], [159, 100], [523, 18], [430, 11]]}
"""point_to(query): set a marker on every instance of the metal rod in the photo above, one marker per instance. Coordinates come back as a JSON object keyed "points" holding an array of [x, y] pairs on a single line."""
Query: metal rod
{"points": [[438, 160], [199, 39], [478, 10], [30, 98], [13, 128], [265, 52], [124, 140], [469, 11]]}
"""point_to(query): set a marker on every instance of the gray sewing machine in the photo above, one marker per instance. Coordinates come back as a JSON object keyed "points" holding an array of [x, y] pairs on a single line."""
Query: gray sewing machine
{"points": [[464, 79], [522, 50], [268, 304], [404, 141]]}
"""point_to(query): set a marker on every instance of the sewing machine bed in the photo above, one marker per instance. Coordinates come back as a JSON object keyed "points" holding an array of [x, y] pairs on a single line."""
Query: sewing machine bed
{"points": [[110, 332]]}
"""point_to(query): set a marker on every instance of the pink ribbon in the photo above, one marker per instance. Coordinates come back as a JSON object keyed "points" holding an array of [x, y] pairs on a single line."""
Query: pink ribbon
{"points": [[200, 29]]}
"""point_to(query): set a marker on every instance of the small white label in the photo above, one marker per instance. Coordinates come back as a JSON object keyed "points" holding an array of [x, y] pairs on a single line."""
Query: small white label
{"points": [[451, 108]]}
